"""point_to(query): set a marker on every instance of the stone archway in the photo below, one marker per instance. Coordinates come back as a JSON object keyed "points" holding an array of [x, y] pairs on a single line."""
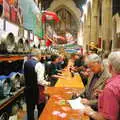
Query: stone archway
{"points": [[71, 9], [77, 20], [69, 5], [67, 21]]}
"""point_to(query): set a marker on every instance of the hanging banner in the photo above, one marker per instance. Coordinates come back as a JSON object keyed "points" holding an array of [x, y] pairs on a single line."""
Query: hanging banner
{"points": [[12, 11], [48, 15], [6, 8]]}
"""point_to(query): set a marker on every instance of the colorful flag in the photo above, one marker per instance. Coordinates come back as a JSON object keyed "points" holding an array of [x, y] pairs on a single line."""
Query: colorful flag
{"points": [[38, 28], [48, 15], [29, 11]]}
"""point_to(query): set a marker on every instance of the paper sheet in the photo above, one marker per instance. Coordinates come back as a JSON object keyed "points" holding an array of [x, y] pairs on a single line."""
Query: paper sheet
{"points": [[76, 104]]}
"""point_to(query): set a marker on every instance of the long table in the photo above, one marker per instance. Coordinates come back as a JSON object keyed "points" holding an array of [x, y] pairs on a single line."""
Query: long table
{"points": [[69, 81], [57, 107]]}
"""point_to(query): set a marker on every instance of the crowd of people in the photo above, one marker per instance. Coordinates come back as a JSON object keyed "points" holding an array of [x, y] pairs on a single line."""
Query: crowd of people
{"points": [[40, 70], [100, 76]]}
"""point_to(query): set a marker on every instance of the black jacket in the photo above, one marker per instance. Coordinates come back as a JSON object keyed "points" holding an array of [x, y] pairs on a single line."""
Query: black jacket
{"points": [[31, 87]]}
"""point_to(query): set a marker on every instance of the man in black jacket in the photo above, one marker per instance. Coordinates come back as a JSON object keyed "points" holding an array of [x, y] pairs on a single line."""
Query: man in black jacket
{"points": [[31, 88], [35, 82]]}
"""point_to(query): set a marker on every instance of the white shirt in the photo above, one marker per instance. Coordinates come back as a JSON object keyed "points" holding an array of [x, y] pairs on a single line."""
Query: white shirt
{"points": [[40, 70]]}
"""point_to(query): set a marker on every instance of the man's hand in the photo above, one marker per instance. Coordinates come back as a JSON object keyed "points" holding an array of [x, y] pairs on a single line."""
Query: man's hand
{"points": [[93, 114], [85, 101], [48, 83], [97, 92], [89, 111]]}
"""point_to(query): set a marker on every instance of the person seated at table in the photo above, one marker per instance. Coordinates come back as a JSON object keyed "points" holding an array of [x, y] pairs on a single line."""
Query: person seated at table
{"points": [[64, 62], [52, 70], [97, 79], [74, 62], [82, 69], [59, 63], [109, 98], [74, 59]]}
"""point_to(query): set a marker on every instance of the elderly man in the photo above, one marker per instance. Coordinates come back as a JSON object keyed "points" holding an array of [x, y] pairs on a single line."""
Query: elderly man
{"points": [[34, 83], [109, 98], [97, 80]]}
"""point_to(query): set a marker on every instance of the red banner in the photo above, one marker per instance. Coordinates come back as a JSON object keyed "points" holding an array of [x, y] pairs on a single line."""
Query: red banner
{"points": [[6, 9], [48, 15], [13, 14]]}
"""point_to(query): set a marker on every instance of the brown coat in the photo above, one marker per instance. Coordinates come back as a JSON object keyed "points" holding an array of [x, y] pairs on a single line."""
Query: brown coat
{"points": [[99, 85]]}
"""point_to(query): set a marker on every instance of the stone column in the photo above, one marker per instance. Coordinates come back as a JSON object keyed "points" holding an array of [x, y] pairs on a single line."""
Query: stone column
{"points": [[116, 32], [87, 32], [88, 26], [84, 33], [107, 22], [94, 22], [84, 37], [114, 27]]}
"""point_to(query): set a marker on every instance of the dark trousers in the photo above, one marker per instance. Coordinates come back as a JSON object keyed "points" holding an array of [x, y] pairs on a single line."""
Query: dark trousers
{"points": [[30, 111], [40, 108], [31, 101]]}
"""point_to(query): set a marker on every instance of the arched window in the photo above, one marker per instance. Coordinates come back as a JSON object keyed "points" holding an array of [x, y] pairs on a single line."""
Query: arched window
{"points": [[67, 23]]}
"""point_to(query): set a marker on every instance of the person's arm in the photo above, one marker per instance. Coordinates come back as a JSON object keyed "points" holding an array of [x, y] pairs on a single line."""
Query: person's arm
{"points": [[89, 102], [40, 69], [109, 103], [93, 114], [93, 102], [57, 76]]}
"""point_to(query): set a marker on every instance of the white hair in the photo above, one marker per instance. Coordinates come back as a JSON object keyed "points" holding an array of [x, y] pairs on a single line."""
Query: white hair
{"points": [[114, 60], [93, 58]]}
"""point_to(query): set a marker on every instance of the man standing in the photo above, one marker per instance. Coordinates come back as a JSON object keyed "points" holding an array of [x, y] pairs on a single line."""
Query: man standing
{"points": [[34, 76], [96, 81]]}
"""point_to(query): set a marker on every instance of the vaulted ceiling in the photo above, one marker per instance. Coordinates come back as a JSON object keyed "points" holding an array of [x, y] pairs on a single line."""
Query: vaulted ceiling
{"points": [[46, 3]]}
